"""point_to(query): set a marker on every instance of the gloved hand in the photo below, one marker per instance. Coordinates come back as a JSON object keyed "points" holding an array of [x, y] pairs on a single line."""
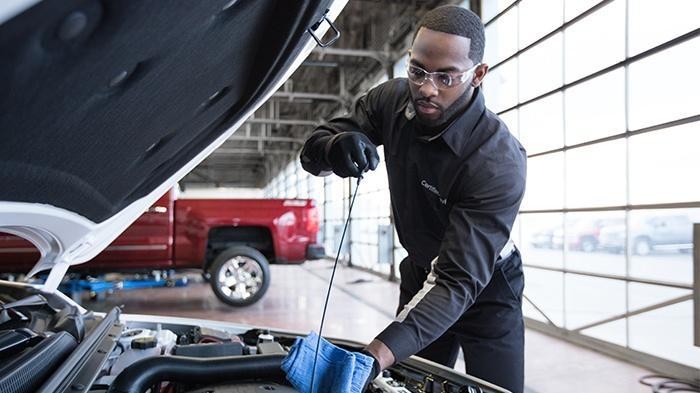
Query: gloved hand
{"points": [[337, 370], [351, 153]]}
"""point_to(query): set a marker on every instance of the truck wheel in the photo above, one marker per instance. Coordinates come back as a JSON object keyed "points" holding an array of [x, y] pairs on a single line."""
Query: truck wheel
{"points": [[239, 276]]}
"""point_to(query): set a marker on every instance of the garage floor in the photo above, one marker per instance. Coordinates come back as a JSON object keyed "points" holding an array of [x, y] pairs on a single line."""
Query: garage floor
{"points": [[361, 306]]}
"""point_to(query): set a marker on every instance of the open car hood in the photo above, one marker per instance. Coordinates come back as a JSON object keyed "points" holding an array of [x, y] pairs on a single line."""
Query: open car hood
{"points": [[107, 104]]}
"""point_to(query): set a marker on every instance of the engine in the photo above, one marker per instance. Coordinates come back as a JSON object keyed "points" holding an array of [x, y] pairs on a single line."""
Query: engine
{"points": [[49, 345]]}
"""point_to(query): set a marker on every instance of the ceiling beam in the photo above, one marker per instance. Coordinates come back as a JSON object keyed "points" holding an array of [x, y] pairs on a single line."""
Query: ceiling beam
{"points": [[201, 176], [226, 150], [380, 56], [290, 122], [291, 96], [318, 63], [256, 138]]}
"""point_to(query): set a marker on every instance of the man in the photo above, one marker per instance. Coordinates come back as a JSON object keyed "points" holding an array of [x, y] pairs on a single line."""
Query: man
{"points": [[456, 177]]}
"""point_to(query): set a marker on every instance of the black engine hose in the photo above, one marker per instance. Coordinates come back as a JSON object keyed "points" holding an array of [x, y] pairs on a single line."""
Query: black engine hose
{"points": [[141, 375]]}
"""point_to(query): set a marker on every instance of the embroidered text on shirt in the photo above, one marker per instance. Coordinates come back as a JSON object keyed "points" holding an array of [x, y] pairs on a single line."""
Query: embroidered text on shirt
{"points": [[434, 190]]}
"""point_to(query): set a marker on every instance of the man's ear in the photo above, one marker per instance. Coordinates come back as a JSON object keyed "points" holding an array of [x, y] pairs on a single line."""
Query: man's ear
{"points": [[480, 74]]}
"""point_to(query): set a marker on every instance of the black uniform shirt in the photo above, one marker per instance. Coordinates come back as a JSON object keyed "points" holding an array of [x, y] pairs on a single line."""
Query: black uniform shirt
{"points": [[454, 196]]}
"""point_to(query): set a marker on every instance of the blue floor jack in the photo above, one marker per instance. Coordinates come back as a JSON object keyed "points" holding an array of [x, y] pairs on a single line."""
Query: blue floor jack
{"points": [[98, 287]]}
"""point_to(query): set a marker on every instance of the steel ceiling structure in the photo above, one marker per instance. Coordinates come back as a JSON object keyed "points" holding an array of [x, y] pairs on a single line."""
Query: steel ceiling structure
{"points": [[374, 34]]}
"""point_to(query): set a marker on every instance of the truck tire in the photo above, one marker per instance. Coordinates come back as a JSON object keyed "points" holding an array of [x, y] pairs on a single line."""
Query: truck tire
{"points": [[239, 276]]}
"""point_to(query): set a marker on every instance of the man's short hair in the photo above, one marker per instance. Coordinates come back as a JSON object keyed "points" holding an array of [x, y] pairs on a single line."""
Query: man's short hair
{"points": [[452, 19]]}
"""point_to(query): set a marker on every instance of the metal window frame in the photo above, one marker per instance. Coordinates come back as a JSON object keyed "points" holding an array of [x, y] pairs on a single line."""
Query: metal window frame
{"points": [[626, 134], [656, 206], [551, 34], [574, 335], [627, 278], [629, 60]]}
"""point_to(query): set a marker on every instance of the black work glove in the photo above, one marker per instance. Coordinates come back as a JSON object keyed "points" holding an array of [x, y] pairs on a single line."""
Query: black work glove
{"points": [[351, 153]]}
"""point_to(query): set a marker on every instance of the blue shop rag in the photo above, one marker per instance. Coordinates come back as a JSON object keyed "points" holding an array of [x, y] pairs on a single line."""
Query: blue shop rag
{"points": [[337, 370]]}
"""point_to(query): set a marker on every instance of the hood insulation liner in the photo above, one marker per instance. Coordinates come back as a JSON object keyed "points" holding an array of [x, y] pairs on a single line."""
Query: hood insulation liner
{"points": [[103, 101]]}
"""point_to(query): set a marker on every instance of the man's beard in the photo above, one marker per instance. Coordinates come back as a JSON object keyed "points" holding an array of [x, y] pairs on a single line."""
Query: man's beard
{"points": [[434, 126]]}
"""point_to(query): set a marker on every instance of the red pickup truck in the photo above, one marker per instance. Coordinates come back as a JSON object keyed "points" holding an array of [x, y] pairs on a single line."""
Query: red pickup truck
{"points": [[230, 239]]}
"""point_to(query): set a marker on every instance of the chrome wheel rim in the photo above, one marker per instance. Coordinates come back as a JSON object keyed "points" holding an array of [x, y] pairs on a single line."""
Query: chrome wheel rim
{"points": [[240, 278]]}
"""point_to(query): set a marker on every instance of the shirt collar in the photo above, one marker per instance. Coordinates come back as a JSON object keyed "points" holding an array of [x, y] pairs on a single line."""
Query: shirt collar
{"points": [[459, 131]]}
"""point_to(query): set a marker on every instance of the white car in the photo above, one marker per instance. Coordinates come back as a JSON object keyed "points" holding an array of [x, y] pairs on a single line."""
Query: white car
{"points": [[105, 106]]}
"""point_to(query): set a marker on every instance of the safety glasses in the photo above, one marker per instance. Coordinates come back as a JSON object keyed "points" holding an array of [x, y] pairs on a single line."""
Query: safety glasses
{"points": [[441, 80]]}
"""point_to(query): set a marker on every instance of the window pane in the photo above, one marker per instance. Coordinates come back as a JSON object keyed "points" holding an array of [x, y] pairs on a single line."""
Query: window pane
{"points": [[541, 239], [667, 333], [541, 68], [661, 244], [584, 244], [651, 24], [400, 67], [491, 8], [664, 165], [537, 18], [302, 183], [645, 295], [511, 120], [364, 240], [575, 8], [399, 254], [545, 289], [377, 180], [370, 205], [615, 332], [595, 42], [317, 193], [501, 86], [596, 109], [364, 237], [664, 87], [592, 299], [515, 232], [545, 183], [335, 209], [542, 124], [502, 37], [595, 175]]}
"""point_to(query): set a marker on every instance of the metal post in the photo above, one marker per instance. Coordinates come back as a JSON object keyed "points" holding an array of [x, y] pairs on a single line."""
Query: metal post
{"points": [[696, 282]]}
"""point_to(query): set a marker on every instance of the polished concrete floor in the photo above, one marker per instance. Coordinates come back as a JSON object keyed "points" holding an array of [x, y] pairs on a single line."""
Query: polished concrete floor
{"points": [[361, 305]]}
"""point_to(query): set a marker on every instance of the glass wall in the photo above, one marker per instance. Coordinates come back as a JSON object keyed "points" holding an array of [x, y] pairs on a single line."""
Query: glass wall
{"points": [[370, 217], [604, 96]]}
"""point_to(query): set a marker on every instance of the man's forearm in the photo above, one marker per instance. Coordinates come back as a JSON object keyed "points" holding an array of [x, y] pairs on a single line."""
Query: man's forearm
{"points": [[382, 353]]}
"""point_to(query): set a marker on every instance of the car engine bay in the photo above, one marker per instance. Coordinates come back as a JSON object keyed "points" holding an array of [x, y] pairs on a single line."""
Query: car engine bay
{"points": [[48, 344]]}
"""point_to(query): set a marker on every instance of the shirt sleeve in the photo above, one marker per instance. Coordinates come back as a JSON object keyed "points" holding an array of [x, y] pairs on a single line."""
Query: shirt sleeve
{"points": [[365, 117], [479, 227]]}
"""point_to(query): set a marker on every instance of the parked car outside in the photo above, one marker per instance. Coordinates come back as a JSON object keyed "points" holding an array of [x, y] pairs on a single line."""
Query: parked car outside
{"points": [[543, 238], [650, 234], [584, 234]]}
